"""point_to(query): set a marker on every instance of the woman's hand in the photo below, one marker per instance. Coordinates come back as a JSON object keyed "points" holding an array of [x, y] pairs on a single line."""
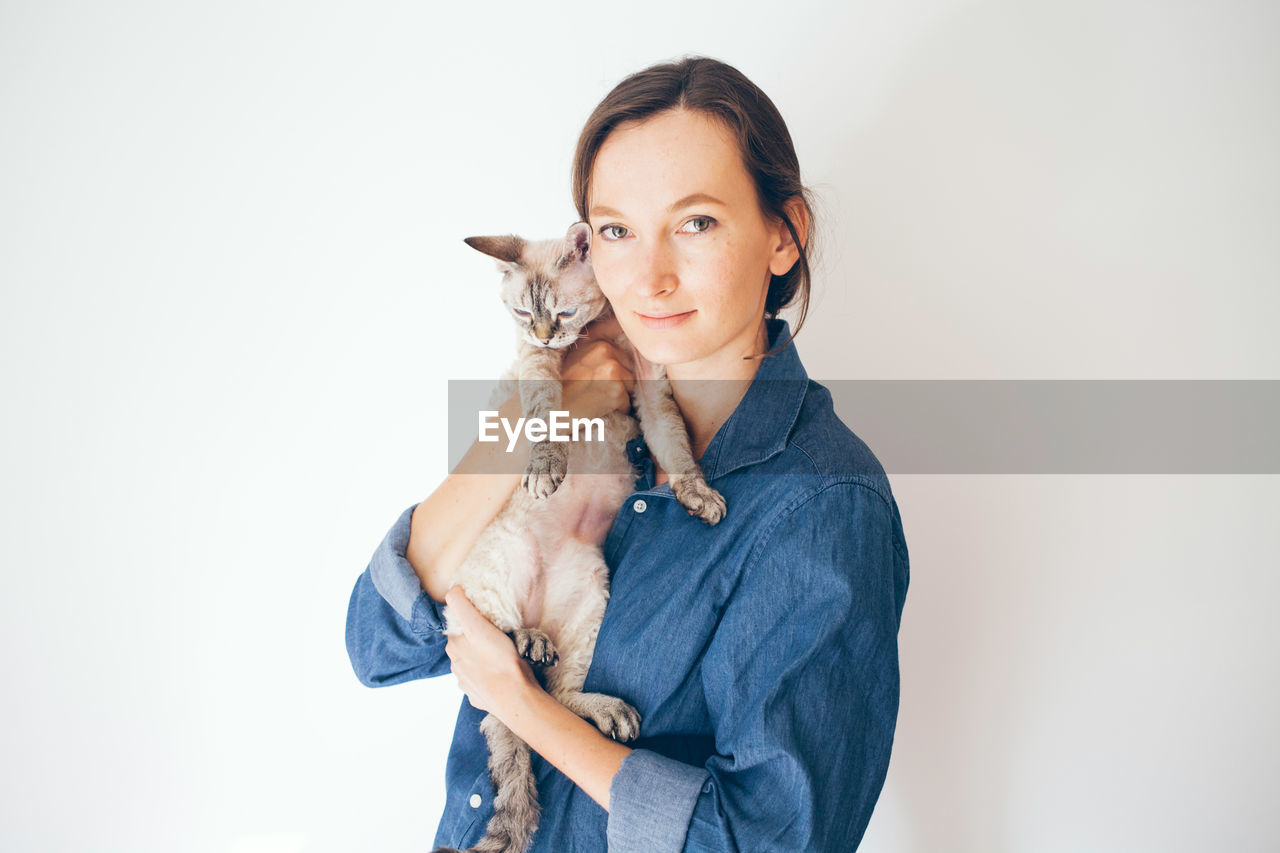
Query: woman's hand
{"points": [[596, 376], [491, 673]]}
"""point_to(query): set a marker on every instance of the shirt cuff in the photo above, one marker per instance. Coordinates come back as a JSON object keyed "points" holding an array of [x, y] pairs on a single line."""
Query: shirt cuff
{"points": [[651, 800], [398, 583]]}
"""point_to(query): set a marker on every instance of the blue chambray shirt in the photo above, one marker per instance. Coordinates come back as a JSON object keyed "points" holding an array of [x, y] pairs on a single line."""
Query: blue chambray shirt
{"points": [[761, 653]]}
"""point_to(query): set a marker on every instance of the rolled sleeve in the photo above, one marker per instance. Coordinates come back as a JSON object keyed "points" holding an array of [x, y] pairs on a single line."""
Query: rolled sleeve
{"points": [[651, 800], [801, 681], [394, 629], [398, 583]]}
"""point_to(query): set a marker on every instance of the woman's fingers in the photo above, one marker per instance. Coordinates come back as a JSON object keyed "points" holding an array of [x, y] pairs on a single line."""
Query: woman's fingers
{"points": [[456, 596], [613, 367], [597, 360], [461, 610], [592, 354], [597, 378], [625, 376]]}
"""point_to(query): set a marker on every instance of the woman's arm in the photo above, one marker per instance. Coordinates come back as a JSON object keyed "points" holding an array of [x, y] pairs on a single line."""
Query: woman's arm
{"points": [[575, 747], [497, 680], [447, 524], [394, 617]]}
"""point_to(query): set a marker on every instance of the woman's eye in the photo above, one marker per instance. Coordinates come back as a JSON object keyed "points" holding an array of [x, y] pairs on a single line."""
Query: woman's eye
{"points": [[704, 219], [615, 236], [569, 313]]}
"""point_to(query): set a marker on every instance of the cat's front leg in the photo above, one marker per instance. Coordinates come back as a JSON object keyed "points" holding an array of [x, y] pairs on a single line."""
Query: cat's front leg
{"points": [[614, 717], [698, 498], [539, 372], [668, 440]]}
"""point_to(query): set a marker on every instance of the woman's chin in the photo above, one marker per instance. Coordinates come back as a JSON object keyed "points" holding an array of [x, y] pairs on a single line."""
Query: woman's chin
{"points": [[661, 348]]}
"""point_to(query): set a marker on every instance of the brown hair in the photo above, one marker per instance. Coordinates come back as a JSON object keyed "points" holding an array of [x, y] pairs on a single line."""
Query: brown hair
{"points": [[724, 94]]}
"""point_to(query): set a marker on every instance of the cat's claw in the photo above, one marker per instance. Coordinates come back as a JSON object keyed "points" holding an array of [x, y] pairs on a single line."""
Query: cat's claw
{"points": [[535, 646], [615, 718], [700, 500]]}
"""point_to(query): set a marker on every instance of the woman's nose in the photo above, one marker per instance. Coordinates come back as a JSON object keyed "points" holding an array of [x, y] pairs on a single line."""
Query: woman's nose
{"points": [[658, 273]]}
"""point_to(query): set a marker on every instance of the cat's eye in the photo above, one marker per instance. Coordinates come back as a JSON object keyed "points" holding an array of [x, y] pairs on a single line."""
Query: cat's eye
{"points": [[570, 312], [520, 312]]}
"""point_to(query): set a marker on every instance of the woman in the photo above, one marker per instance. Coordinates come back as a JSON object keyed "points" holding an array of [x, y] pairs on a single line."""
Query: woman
{"points": [[761, 653]]}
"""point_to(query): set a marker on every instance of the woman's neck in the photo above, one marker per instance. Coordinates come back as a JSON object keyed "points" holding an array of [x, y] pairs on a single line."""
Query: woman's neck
{"points": [[708, 390]]}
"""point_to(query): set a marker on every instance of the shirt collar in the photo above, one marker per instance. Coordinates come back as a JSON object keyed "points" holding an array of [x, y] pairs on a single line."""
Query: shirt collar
{"points": [[761, 424]]}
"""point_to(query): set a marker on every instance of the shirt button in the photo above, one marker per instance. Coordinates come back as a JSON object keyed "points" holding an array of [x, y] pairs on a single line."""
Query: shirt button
{"points": [[475, 801], [641, 506]]}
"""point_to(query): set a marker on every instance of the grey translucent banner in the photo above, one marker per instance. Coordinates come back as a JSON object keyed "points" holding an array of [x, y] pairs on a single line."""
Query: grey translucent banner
{"points": [[1034, 426]]}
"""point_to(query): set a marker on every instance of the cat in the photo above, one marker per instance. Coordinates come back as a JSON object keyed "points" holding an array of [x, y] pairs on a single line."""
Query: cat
{"points": [[537, 570]]}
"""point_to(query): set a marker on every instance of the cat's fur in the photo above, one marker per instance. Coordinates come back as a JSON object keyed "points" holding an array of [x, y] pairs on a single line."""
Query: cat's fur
{"points": [[538, 571]]}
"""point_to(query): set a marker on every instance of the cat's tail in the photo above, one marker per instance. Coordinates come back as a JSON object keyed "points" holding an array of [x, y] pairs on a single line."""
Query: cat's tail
{"points": [[515, 803]]}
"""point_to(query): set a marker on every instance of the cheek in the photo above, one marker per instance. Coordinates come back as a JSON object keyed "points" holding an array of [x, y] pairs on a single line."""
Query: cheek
{"points": [[608, 277], [735, 278]]}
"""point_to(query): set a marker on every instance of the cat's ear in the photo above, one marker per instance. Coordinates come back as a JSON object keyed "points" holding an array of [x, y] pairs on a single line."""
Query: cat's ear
{"points": [[506, 249], [577, 245]]}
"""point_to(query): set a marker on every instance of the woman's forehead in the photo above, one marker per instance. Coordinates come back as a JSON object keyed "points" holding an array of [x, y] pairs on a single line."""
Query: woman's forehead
{"points": [[648, 166]]}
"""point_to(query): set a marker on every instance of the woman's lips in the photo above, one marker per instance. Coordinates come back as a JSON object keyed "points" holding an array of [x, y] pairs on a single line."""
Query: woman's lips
{"points": [[666, 322]]}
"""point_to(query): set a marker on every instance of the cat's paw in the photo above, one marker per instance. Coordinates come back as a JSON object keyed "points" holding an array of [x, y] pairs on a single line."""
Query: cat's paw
{"points": [[545, 472], [614, 718], [535, 646], [699, 499]]}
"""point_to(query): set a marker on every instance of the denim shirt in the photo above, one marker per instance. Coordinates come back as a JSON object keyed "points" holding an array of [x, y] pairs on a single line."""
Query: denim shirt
{"points": [[761, 653]]}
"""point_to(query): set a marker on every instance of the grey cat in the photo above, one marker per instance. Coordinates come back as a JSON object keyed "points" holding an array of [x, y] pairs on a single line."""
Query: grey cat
{"points": [[538, 571]]}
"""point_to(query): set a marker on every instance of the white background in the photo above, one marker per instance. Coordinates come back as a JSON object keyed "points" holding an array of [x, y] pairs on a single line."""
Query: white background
{"points": [[234, 288]]}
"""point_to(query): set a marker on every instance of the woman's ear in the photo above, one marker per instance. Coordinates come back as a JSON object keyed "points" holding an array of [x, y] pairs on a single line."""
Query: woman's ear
{"points": [[785, 253]]}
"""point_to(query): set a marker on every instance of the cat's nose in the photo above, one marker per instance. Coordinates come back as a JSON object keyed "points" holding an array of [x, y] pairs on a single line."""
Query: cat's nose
{"points": [[543, 331]]}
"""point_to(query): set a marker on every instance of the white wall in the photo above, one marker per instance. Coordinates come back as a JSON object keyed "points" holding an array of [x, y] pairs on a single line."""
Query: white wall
{"points": [[232, 271]]}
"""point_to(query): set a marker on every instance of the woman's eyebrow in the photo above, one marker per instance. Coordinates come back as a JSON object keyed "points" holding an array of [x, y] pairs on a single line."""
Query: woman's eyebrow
{"points": [[696, 198]]}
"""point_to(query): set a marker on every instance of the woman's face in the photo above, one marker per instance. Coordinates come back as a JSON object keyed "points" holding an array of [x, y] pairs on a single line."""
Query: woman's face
{"points": [[679, 245]]}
